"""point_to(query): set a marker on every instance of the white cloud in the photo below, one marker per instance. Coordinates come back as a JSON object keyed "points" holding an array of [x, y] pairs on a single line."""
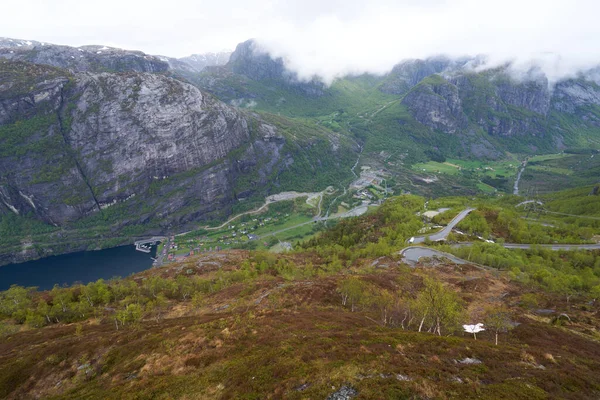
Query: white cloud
{"points": [[327, 38]]}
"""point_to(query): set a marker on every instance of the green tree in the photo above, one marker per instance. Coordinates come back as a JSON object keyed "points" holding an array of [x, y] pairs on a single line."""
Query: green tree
{"points": [[383, 301], [497, 320], [15, 301], [34, 320], [438, 306], [132, 313], [185, 286], [352, 290], [43, 308], [96, 293], [62, 299], [156, 306]]}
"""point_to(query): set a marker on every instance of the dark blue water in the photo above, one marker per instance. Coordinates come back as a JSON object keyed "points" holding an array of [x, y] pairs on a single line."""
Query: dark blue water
{"points": [[83, 266]]}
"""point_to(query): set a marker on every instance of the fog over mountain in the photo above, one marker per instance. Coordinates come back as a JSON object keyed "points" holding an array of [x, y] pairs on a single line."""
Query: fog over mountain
{"points": [[331, 38]]}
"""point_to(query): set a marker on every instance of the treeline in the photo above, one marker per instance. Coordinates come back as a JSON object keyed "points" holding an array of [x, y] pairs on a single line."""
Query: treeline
{"points": [[13, 227], [378, 234], [127, 301], [422, 305], [564, 272], [508, 225]]}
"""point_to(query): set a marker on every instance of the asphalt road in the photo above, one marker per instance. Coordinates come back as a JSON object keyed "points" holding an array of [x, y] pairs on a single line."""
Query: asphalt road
{"points": [[443, 234], [413, 254], [553, 246]]}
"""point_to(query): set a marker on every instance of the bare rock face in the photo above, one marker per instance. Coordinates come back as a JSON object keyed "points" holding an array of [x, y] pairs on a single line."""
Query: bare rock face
{"points": [[572, 94], [437, 106], [408, 74], [532, 95], [105, 59], [151, 121], [251, 61], [84, 58], [200, 61], [74, 145]]}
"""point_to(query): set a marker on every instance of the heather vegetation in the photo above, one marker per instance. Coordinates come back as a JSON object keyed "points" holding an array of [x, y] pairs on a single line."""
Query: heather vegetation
{"points": [[341, 309], [298, 324]]}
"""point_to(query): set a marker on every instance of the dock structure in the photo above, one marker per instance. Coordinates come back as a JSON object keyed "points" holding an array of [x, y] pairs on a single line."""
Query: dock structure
{"points": [[144, 244]]}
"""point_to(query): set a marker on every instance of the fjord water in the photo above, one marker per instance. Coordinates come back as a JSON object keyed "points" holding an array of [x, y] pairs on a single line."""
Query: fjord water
{"points": [[83, 266]]}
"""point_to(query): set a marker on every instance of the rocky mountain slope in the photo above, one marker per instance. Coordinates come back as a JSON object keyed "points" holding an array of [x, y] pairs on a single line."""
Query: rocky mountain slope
{"points": [[201, 61], [84, 58], [100, 137], [104, 59], [142, 149], [251, 63], [477, 112]]}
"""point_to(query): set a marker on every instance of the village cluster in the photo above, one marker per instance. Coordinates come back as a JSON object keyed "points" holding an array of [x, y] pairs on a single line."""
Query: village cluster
{"points": [[232, 235]]}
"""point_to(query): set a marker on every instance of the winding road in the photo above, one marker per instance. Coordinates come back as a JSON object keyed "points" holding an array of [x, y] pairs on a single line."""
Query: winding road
{"points": [[412, 254], [443, 234], [516, 186]]}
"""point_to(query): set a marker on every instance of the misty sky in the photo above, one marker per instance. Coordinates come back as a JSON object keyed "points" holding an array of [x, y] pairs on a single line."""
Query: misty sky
{"points": [[323, 37]]}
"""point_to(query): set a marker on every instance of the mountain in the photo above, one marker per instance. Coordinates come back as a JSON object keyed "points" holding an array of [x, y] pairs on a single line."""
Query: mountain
{"points": [[82, 59], [251, 63], [201, 61], [118, 143], [143, 152], [103, 58], [475, 112]]}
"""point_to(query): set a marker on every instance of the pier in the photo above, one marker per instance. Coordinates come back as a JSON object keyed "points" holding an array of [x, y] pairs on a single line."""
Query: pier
{"points": [[144, 245]]}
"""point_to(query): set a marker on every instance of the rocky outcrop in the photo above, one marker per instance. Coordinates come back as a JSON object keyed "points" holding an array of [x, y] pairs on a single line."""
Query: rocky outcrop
{"points": [[253, 62], [159, 149], [437, 105], [533, 95], [200, 61], [572, 95], [84, 58], [106, 59], [409, 73]]}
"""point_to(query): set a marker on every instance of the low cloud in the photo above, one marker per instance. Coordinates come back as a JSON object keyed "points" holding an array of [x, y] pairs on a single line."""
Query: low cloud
{"points": [[558, 37], [329, 38]]}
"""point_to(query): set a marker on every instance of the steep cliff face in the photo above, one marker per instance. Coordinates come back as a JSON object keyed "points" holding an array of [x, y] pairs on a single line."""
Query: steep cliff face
{"points": [[571, 94], [35, 164], [408, 74], [152, 146], [251, 61], [486, 111], [520, 115], [437, 105], [503, 107]]}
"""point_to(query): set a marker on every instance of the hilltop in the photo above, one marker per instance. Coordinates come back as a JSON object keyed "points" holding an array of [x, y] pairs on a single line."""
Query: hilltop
{"points": [[342, 314]]}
